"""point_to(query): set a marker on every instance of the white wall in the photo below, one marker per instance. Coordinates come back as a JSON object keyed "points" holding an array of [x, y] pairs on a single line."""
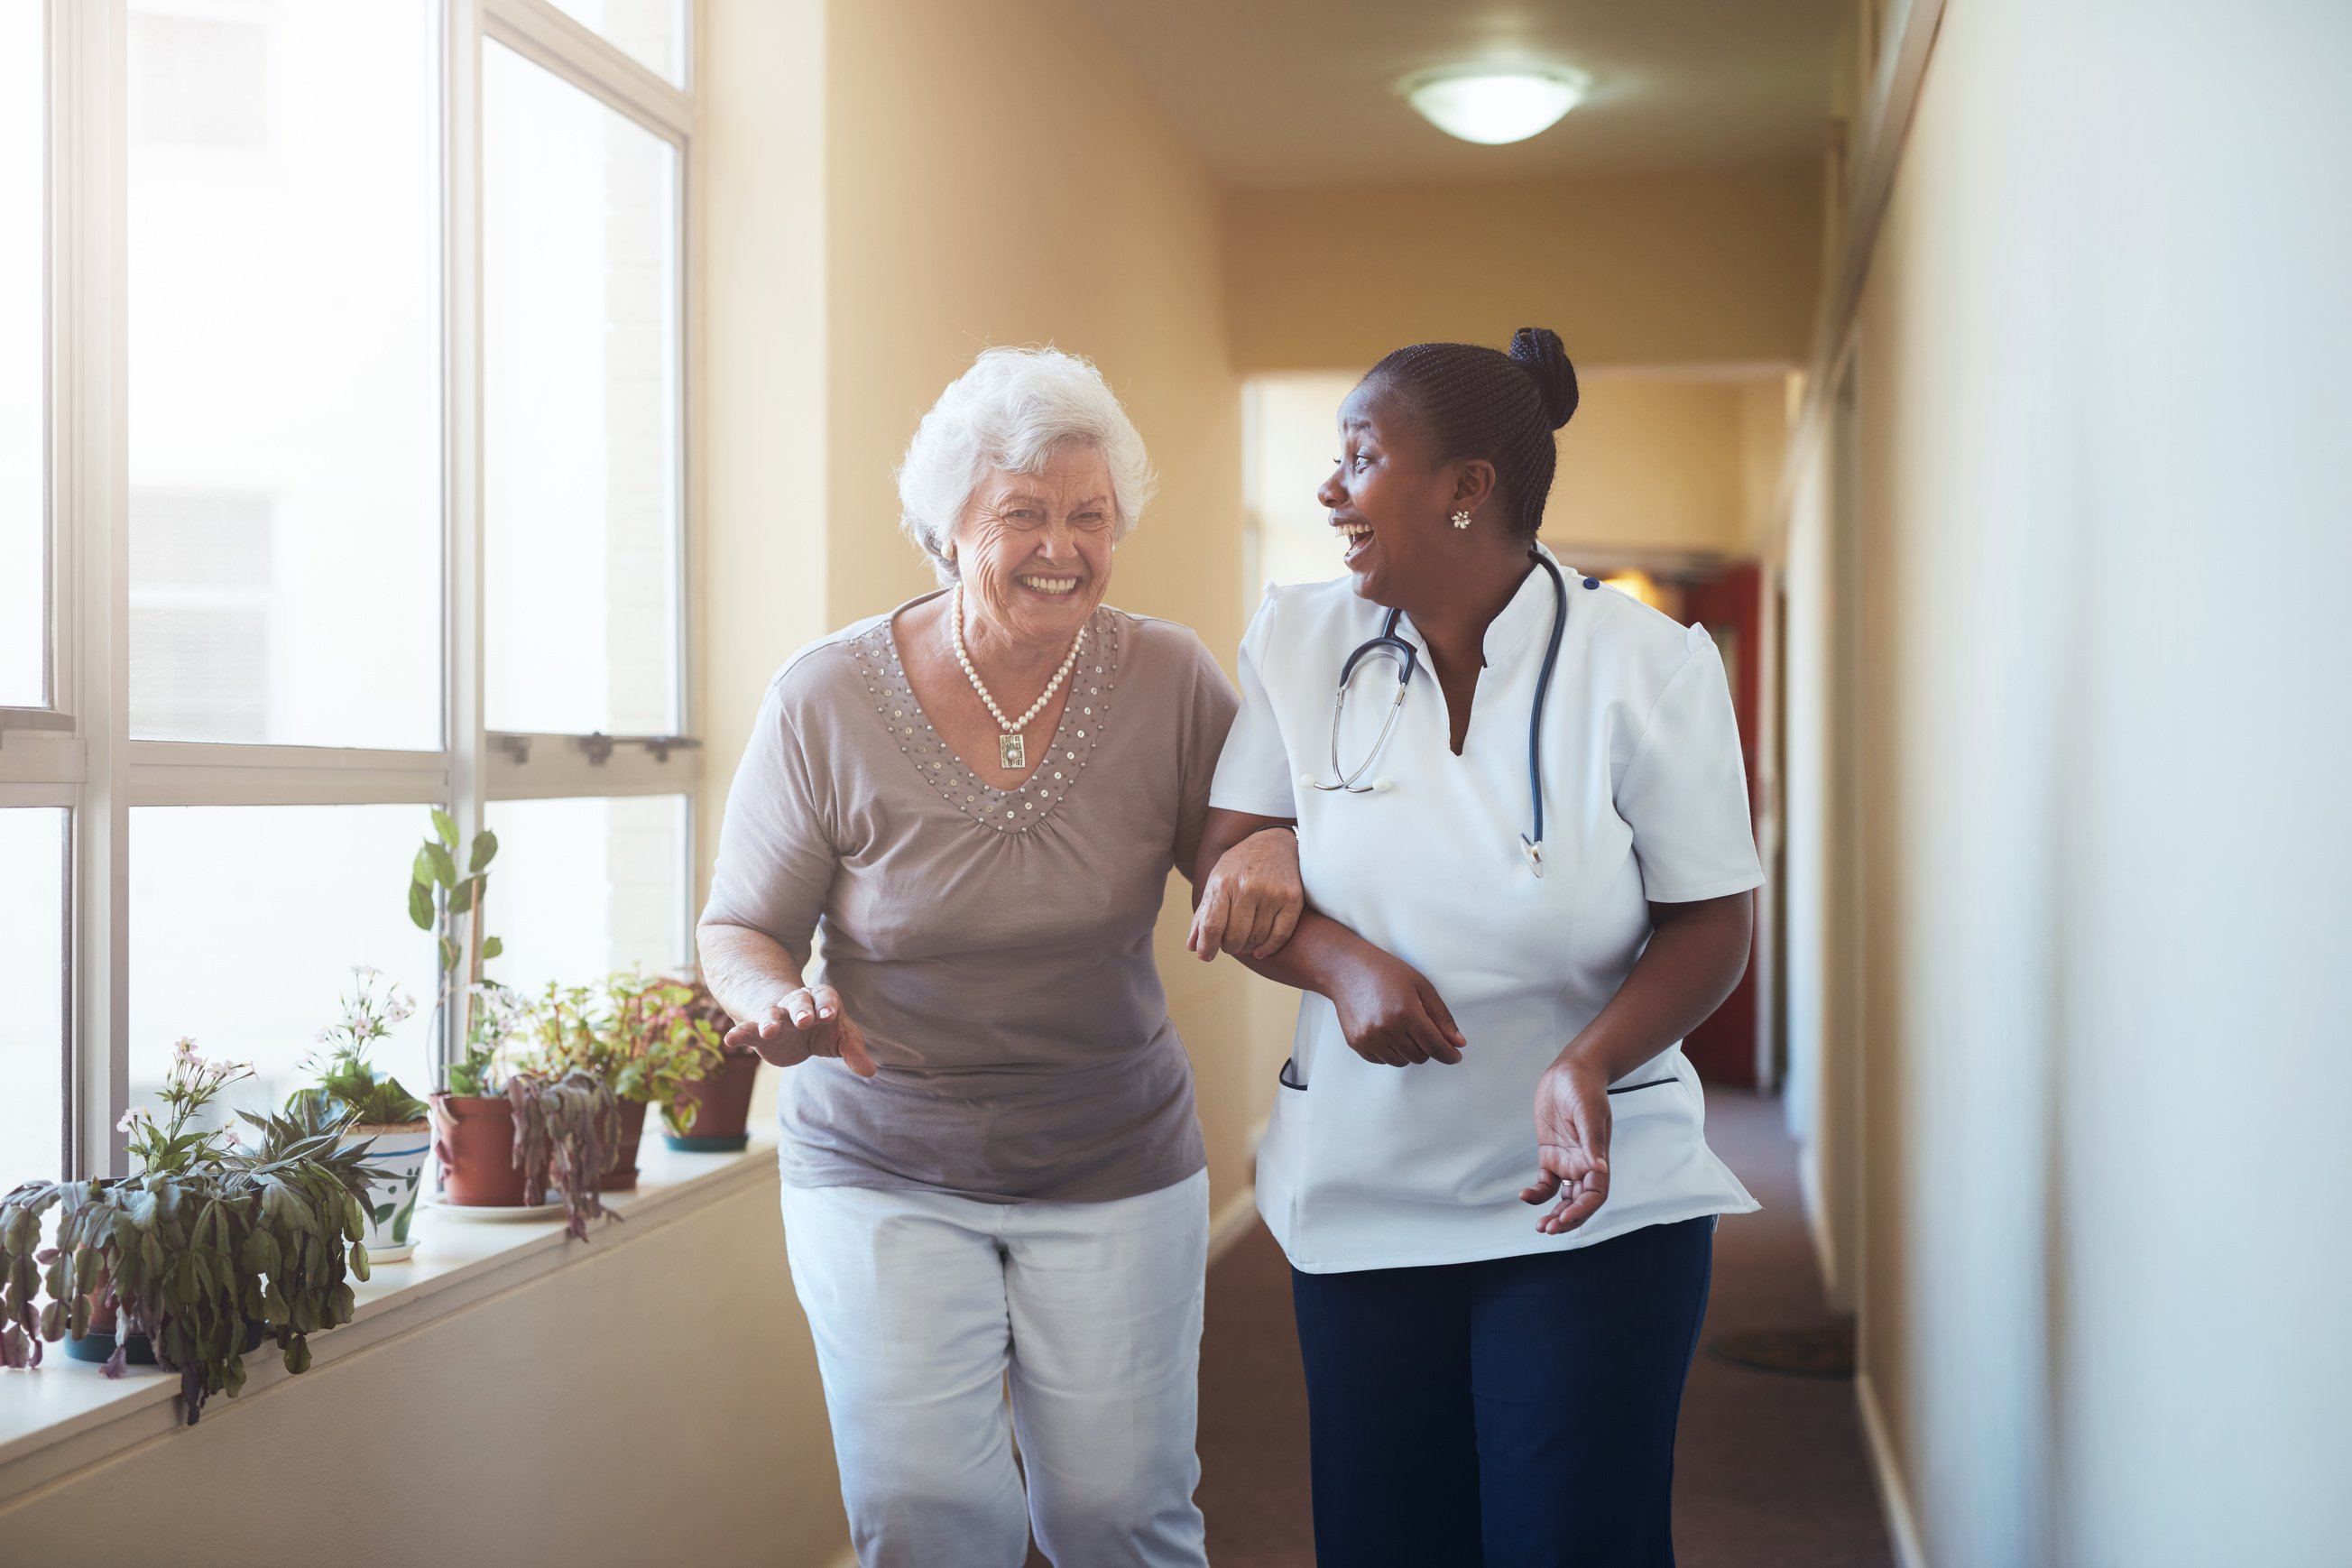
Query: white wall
{"points": [[2103, 538]]}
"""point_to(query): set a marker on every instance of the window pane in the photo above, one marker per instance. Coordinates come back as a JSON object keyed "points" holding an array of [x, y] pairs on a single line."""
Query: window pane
{"points": [[580, 367], [33, 979], [653, 32], [24, 149], [245, 923], [285, 351], [582, 888]]}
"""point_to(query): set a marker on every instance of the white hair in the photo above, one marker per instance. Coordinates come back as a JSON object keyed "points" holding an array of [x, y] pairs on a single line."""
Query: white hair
{"points": [[1010, 412]]}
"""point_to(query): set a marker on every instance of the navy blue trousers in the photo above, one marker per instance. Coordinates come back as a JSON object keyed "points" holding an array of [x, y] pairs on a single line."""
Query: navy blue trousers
{"points": [[1512, 1414]]}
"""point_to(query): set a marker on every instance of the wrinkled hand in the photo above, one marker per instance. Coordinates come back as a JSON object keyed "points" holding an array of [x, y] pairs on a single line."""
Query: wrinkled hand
{"points": [[1254, 898], [1392, 1015], [806, 1023], [1571, 1145]]}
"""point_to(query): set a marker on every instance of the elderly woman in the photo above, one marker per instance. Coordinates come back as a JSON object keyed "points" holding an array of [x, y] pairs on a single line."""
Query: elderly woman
{"points": [[993, 1174]]}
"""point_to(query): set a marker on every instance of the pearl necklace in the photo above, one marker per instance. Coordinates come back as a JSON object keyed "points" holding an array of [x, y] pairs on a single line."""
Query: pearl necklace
{"points": [[1012, 748]]}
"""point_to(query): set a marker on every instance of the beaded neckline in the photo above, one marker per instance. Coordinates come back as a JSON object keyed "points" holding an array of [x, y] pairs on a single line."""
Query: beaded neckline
{"points": [[1083, 718]]}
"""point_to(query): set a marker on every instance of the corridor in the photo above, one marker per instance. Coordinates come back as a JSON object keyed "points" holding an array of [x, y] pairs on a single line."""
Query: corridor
{"points": [[434, 432], [1770, 1469]]}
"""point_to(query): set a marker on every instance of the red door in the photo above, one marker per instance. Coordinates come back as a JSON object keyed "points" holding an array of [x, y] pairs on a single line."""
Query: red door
{"points": [[1731, 606]]}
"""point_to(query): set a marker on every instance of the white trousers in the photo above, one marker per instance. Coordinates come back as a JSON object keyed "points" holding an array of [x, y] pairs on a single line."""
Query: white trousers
{"points": [[926, 1307]]}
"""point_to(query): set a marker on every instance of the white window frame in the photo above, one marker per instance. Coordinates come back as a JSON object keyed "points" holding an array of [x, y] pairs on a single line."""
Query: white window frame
{"points": [[78, 752]]}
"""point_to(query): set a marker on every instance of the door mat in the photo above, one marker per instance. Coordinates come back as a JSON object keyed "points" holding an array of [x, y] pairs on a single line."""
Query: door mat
{"points": [[1824, 1352]]}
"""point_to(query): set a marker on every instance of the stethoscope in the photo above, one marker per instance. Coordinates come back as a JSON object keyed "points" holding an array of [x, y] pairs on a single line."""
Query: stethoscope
{"points": [[1408, 660]]}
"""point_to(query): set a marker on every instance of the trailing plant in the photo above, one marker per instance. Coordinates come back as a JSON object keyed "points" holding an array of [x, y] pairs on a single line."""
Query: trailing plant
{"points": [[206, 1239], [566, 1127], [438, 895], [640, 1035], [348, 1083]]}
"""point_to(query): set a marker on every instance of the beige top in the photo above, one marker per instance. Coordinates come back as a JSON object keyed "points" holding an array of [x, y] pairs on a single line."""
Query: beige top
{"points": [[995, 946]]}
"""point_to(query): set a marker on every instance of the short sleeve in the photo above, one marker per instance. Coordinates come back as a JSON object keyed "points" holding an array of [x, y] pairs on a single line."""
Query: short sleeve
{"points": [[1254, 774], [1685, 790], [775, 862], [1208, 718]]}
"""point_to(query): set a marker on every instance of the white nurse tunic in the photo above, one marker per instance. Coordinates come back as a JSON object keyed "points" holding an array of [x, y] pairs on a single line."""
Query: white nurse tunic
{"points": [[1367, 1166]]}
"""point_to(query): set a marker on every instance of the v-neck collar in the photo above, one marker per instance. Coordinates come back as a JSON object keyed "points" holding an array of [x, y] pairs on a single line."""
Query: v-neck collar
{"points": [[1018, 810], [1525, 618]]}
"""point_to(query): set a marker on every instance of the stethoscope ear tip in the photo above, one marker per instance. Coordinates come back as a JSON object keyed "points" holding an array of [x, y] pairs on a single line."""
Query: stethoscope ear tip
{"points": [[1382, 786]]}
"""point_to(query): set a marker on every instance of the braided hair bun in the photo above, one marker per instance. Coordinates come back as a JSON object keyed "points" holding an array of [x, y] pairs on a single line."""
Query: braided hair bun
{"points": [[1477, 402], [1537, 351]]}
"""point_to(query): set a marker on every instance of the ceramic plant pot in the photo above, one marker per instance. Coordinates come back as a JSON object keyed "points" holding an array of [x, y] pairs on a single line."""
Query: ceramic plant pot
{"points": [[724, 1107], [395, 1161], [474, 1139], [621, 1176]]}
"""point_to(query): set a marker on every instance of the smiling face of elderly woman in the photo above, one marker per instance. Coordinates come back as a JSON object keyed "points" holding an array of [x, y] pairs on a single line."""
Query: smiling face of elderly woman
{"points": [[1035, 550]]}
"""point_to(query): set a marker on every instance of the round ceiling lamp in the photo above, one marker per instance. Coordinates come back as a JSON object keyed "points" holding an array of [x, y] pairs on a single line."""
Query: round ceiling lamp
{"points": [[1495, 104]]}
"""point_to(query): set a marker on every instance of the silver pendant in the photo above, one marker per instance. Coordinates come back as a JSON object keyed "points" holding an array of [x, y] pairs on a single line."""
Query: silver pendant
{"points": [[1012, 752]]}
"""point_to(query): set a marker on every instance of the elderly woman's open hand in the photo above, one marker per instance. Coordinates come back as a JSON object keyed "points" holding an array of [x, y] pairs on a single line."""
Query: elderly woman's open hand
{"points": [[805, 1023], [1254, 898]]}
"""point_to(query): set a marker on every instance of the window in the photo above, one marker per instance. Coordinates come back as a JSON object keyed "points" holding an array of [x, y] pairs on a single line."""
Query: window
{"points": [[404, 469], [284, 342], [586, 888], [651, 32], [24, 525], [33, 978], [580, 360], [246, 921]]}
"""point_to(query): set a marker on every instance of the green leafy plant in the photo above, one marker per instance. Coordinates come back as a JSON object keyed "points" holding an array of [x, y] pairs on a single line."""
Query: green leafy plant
{"points": [[640, 1035], [438, 894], [348, 1084], [207, 1239]]}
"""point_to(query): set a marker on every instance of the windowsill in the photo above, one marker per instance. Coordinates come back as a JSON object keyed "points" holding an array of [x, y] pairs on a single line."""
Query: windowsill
{"points": [[66, 1414]]}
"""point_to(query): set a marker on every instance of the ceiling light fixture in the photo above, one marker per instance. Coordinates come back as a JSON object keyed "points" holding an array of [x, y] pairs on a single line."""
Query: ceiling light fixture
{"points": [[1494, 104]]}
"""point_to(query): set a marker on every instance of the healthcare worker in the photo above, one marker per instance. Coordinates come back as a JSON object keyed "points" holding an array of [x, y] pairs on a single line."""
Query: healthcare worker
{"points": [[1523, 828]]}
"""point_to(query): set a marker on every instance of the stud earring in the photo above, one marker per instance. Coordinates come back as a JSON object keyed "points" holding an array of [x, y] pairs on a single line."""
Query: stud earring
{"points": [[1461, 519]]}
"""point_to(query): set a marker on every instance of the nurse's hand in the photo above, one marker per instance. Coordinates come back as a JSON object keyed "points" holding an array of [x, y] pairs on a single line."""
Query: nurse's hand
{"points": [[1571, 1145], [805, 1023], [1252, 899], [1391, 1014]]}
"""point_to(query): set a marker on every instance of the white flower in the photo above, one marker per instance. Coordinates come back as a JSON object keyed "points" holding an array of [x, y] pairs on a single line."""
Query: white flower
{"points": [[326, 1036], [399, 1010], [184, 1049], [365, 972], [130, 1121]]}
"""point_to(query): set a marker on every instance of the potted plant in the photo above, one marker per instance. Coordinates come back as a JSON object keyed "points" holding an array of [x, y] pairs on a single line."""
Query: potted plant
{"points": [[204, 1251], [377, 1113], [472, 1120], [712, 1114], [507, 1135], [640, 1037]]}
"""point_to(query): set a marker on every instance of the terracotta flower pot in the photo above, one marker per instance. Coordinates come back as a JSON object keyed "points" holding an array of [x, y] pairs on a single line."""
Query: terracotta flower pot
{"points": [[474, 1140], [622, 1175], [724, 1107]]}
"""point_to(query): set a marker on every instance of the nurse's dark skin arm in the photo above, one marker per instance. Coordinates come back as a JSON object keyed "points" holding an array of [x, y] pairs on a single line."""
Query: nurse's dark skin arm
{"points": [[1387, 1010], [1697, 954]]}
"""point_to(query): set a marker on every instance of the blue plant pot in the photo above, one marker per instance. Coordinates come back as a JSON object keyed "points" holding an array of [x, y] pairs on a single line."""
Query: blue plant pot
{"points": [[707, 1145]]}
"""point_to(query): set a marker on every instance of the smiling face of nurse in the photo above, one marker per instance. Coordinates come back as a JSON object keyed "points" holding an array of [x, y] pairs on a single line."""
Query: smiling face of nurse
{"points": [[1392, 499]]}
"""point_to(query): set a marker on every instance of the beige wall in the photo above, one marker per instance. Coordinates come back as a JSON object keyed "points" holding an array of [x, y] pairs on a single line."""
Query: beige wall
{"points": [[1703, 269], [646, 1403], [2098, 829], [1659, 462]]}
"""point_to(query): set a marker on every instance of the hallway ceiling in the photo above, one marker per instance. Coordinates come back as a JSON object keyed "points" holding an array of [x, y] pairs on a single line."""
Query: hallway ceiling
{"points": [[1285, 93]]}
